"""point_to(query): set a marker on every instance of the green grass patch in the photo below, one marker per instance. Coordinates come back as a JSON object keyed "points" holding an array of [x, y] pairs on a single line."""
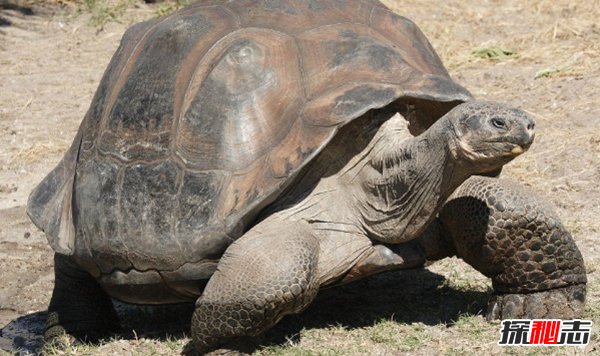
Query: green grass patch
{"points": [[399, 336], [65, 345], [493, 53], [168, 7], [547, 72], [385, 332], [472, 326], [414, 336], [284, 350], [105, 11]]}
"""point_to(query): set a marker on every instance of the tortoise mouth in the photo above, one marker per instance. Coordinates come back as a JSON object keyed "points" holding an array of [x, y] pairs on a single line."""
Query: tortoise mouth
{"points": [[517, 149], [502, 151], [513, 147], [521, 147]]}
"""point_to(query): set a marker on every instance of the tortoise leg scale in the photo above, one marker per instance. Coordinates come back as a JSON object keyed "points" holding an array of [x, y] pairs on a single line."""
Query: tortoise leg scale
{"points": [[269, 272], [515, 238], [79, 307]]}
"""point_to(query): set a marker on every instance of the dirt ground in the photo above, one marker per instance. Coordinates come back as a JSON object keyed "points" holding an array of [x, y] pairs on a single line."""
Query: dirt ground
{"points": [[546, 59]]}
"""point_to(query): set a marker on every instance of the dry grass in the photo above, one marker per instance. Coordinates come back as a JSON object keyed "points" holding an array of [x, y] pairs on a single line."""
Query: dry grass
{"points": [[556, 76], [563, 33], [39, 151]]}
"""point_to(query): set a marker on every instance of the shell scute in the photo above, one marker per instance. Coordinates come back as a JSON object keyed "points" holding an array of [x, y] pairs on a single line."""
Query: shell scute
{"points": [[137, 119], [205, 117], [241, 101]]}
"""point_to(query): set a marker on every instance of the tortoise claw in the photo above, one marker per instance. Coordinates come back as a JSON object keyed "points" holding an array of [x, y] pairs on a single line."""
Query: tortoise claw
{"points": [[560, 303]]}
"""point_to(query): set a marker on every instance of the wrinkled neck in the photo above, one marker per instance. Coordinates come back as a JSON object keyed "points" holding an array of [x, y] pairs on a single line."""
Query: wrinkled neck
{"points": [[405, 183]]}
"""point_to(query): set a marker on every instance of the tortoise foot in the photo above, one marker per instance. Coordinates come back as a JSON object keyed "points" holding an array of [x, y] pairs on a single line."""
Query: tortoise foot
{"points": [[560, 303], [56, 337], [79, 307], [76, 331]]}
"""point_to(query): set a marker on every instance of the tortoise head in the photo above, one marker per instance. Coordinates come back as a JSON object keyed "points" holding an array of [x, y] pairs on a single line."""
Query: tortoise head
{"points": [[489, 135]]}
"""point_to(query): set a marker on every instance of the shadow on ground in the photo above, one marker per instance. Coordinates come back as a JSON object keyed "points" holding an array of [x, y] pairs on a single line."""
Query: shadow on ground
{"points": [[412, 296]]}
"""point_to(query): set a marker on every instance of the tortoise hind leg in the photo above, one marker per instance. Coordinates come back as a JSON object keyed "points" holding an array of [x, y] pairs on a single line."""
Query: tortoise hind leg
{"points": [[515, 238], [269, 272], [79, 306]]}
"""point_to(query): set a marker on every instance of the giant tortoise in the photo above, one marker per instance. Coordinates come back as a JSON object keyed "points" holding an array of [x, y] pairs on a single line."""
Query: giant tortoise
{"points": [[244, 154]]}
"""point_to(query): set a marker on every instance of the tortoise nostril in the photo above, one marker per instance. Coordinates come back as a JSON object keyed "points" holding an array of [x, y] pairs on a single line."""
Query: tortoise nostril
{"points": [[531, 126]]}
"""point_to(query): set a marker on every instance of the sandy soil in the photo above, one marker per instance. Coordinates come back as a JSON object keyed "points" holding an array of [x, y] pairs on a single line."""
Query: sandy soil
{"points": [[51, 62]]}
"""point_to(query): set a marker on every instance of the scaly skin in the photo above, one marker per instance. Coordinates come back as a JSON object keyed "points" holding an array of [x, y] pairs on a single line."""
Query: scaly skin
{"points": [[263, 276], [498, 227], [79, 307], [515, 238], [388, 193]]}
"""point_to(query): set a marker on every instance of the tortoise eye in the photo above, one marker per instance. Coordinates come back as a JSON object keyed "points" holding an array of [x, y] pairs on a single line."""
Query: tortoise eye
{"points": [[499, 123]]}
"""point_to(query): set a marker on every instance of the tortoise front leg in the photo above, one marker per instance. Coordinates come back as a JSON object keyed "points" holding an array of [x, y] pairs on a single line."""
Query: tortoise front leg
{"points": [[79, 306], [269, 272], [515, 238]]}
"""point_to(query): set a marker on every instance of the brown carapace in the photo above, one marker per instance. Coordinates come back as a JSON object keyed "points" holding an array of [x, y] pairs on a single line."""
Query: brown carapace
{"points": [[243, 154]]}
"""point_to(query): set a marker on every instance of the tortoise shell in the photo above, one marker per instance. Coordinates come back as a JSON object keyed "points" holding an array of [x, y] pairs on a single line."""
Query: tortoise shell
{"points": [[205, 116]]}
